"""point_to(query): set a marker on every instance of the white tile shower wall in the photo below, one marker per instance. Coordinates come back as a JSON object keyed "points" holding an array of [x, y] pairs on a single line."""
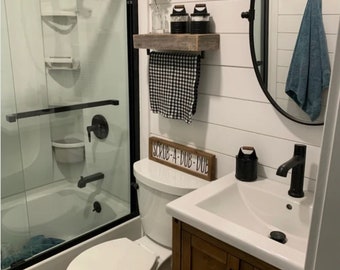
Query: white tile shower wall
{"points": [[98, 42], [11, 175], [232, 110], [103, 59]]}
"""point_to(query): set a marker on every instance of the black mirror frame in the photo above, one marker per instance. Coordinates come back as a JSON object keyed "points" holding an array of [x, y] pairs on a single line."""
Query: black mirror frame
{"points": [[250, 15]]}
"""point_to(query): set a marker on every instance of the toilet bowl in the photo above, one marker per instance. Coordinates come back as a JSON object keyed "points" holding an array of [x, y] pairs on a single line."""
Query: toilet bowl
{"points": [[157, 185]]}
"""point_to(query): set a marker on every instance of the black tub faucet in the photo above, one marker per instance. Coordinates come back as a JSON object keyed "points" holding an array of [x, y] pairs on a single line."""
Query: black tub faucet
{"points": [[90, 178], [297, 164]]}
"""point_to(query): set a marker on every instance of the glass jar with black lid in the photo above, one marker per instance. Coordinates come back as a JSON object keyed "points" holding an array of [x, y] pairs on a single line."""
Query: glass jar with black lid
{"points": [[200, 20], [179, 20]]}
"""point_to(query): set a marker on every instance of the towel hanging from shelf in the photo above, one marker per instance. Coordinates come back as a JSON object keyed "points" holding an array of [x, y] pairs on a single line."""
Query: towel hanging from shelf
{"points": [[173, 84]]}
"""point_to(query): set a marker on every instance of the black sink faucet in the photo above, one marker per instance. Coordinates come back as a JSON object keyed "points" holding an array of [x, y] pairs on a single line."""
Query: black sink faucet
{"points": [[297, 164], [87, 179]]}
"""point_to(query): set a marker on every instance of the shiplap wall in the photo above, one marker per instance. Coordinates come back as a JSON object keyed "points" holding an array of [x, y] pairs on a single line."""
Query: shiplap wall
{"points": [[284, 28], [232, 110]]}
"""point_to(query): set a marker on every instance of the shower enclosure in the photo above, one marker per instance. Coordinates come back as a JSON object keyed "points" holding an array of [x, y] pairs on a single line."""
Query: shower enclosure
{"points": [[69, 123]]}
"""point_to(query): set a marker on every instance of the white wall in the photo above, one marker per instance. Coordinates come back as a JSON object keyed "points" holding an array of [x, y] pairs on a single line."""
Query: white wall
{"points": [[232, 110], [324, 243]]}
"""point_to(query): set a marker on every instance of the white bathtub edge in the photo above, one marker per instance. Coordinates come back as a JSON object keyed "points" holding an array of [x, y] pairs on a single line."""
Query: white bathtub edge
{"points": [[130, 229]]}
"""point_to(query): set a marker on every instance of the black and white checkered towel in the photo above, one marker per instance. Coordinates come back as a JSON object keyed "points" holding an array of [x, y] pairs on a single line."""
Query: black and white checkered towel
{"points": [[173, 83]]}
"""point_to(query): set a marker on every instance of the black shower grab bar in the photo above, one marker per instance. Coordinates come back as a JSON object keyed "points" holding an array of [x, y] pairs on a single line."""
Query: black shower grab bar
{"points": [[13, 117]]}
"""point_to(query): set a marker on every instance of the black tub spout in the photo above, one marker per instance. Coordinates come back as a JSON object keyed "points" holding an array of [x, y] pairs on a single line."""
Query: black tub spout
{"points": [[297, 164], [87, 179]]}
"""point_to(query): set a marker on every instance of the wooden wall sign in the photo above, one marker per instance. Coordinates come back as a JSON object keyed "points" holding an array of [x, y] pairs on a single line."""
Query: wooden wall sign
{"points": [[184, 158]]}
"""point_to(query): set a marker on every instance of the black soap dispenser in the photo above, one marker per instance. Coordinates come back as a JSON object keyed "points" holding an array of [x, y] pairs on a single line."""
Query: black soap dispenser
{"points": [[246, 164]]}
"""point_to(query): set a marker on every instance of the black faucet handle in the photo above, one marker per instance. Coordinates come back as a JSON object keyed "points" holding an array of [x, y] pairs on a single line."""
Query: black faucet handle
{"points": [[99, 127], [89, 130]]}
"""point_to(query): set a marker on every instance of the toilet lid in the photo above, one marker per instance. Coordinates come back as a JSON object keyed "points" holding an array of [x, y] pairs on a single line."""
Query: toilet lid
{"points": [[120, 254]]}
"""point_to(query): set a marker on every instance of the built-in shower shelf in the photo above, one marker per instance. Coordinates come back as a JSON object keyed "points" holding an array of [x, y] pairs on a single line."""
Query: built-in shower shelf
{"points": [[61, 13], [69, 150], [61, 63]]}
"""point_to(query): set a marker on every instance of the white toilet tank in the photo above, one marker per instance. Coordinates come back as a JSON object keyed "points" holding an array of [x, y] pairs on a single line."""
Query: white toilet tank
{"points": [[158, 185]]}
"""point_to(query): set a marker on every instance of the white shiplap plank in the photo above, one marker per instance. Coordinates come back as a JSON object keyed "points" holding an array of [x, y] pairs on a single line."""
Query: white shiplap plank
{"points": [[234, 51], [291, 6], [331, 7], [289, 23], [258, 117], [284, 57], [330, 23], [282, 74], [226, 16], [232, 82]]}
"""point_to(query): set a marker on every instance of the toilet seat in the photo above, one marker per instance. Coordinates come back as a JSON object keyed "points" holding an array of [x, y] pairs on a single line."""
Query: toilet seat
{"points": [[120, 254]]}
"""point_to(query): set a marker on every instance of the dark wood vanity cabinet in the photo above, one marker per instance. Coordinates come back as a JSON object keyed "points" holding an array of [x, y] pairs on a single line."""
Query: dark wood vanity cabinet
{"points": [[196, 250]]}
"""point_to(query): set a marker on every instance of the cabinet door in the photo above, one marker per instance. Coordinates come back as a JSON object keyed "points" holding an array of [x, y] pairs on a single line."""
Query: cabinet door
{"points": [[201, 255], [195, 250], [246, 266], [233, 263]]}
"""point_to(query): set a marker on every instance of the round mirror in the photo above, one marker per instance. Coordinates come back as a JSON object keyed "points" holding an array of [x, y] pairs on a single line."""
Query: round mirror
{"points": [[273, 31]]}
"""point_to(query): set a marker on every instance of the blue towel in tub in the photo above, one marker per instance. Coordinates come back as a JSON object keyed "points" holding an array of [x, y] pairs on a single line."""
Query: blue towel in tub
{"points": [[33, 246], [309, 72]]}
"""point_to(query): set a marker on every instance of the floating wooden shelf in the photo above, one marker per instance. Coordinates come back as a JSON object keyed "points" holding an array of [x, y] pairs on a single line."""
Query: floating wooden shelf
{"points": [[177, 42]]}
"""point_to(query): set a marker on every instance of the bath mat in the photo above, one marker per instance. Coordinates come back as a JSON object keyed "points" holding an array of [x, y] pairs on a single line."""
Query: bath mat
{"points": [[33, 246]]}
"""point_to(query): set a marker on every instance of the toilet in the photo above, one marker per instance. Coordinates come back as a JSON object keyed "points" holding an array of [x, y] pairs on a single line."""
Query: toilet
{"points": [[157, 186]]}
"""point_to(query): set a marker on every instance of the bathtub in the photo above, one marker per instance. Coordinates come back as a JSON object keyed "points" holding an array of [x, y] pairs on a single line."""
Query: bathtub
{"points": [[130, 229], [60, 210]]}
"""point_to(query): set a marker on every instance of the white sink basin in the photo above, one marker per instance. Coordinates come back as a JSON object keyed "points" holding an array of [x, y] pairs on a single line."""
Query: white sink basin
{"points": [[244, 213]]}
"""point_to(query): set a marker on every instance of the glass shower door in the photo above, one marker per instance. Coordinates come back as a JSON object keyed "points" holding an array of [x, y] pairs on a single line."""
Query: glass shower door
{"points": [[65, 123], [14, 218]]}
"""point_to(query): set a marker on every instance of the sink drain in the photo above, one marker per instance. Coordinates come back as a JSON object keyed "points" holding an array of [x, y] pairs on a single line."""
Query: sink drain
{"points": [[278, 236]]}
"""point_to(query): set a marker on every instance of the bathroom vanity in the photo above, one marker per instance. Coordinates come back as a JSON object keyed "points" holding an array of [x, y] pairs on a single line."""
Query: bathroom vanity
{"points": [[230, 224], [196, 250]]}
